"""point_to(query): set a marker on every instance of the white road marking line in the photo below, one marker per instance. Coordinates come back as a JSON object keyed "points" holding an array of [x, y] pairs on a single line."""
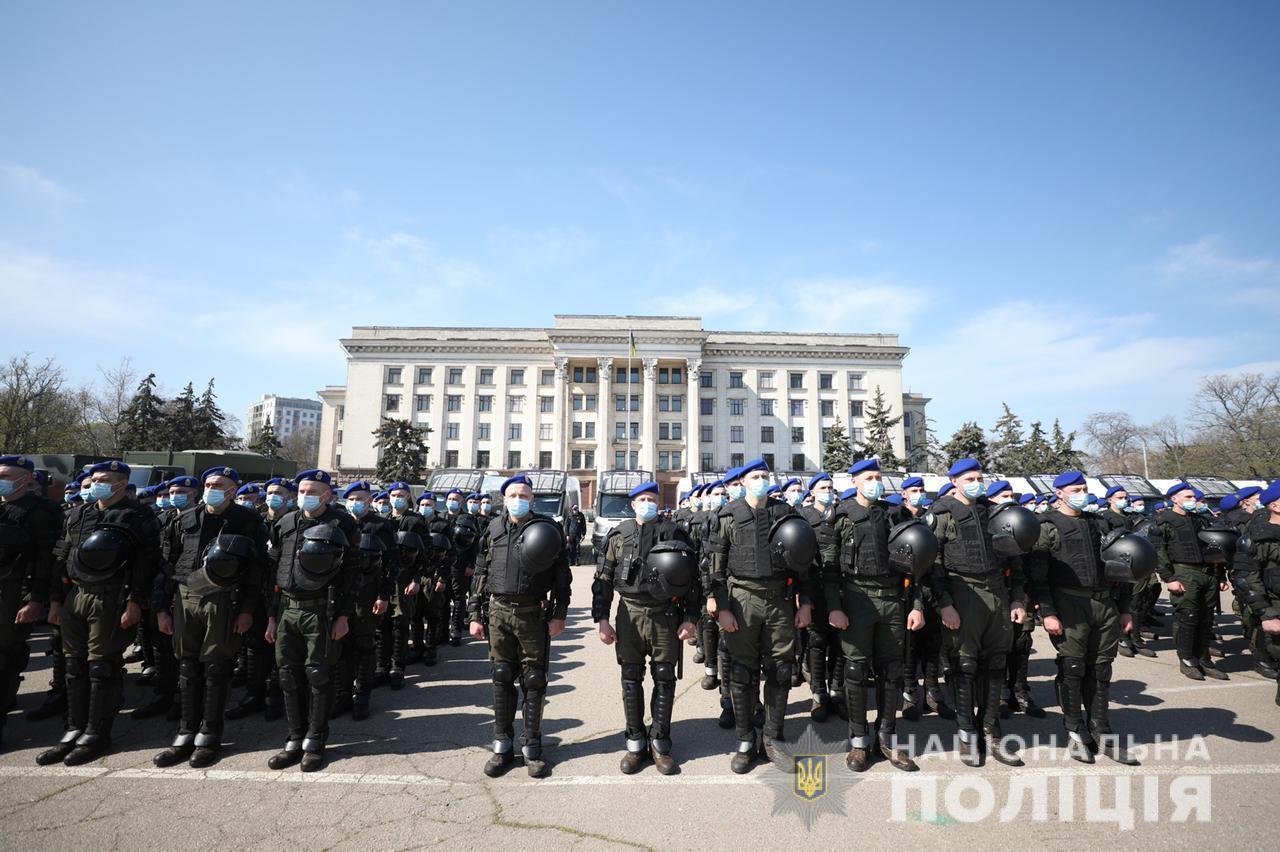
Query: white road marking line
{"points": [[1169, 690]]}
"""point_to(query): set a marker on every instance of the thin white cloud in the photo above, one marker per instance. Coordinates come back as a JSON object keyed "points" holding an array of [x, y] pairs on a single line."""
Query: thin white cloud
{"points": [[30, 182], [1208, 260], [542, 247]]}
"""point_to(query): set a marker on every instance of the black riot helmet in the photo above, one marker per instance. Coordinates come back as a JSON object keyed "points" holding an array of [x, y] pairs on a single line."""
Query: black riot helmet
{"points": [[409, 540], [1129, 557], [103, 552], [1219, 542], [372, 543], [540, 543], [321, 551], [793, 539], [1014, 530], [225, 558], [464, 534], [438, 543], [672, 565], [913, 547]]}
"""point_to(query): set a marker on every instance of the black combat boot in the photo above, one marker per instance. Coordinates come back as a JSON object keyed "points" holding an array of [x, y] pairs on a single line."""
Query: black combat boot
{"points": [[208, 742], [742, 696], [633, 714], [661, 707], [534, 760], [104, 695], [1211, 669], [292, 701], [190, 704]]}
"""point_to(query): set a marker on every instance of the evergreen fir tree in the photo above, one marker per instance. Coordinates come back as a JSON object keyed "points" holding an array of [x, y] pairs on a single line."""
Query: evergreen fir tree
{"points": [[402, 450]]}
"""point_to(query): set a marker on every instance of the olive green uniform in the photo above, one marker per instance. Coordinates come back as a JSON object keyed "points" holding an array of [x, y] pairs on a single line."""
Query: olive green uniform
{"points": [[1181, 558], [29, 530], [1255, 575]]}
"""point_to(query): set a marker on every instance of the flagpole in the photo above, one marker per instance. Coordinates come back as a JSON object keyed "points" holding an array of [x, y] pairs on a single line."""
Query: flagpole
{"points": [[631, 348]]}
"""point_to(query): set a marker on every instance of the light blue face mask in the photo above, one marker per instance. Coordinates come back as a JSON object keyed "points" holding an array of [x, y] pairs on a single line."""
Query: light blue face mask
{"points": [[275, 502], [426, 511], [758, 487], [517, 507], [163, 503], [384, 508], [646, 511], [917, 498], [795, 498], [974, 490], [1123, 504], [179, 501], [452, 505], [310, 502], [6, 487], [1079, 502], [715, 501], [873, 490], [486, 508], [103, 491], [67, 498], [1190, 505], [86, 494], [357, 507], [736, 492], [214, 497], [1136, 508], [399, 503], [825, 498], [473, 508]]}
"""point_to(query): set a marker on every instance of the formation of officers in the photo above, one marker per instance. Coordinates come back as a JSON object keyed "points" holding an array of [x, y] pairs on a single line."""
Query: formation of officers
{"points": [[313, 596]]}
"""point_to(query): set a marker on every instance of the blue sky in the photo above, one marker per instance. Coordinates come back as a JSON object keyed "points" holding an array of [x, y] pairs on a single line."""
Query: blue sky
{"points": [[1071, 207]]}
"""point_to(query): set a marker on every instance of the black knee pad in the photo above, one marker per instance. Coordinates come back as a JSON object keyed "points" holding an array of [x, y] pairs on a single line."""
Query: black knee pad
{"points": [[740, 674], [892, 671], [318, 675], [663, 672], [997, 662], [290, 678], [504, 672], [855, 671], [966, 665], [77, 667], [534, 678], [782, 672], [632, 671], [817, 638], [188, 669], [1102, 672], [218, 671], [1071, 667], [103, 669]]}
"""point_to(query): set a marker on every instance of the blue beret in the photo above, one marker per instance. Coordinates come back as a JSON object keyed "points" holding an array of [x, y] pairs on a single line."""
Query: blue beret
{"points": [[229, 472], [894, 499], [69, 487], [81, 476], [476, 496], [773, 489], [848, 493], [926, 503], [1113, 491], [251, 488], [486, 496], [149, 491], [695, 491], [427, 495], [1093, 498], [813, 483], [162, 486], [314, 475], [1270, 494], [131, 487], [450, 492], [358, 485], [399, 486], [754, 465], [1026, 498], [41, 475], [17, 461], [381, 495], [518, 479], [946, 487], [865, 464], [1069, 477], [913, 482], [1199, 494], [719, 483], [790, 482], [998, 486], [113, 466], [184, 482], [1246, 493], [733, 474], [281, 481], [964, 466], [1229, 502], [646, 488]]}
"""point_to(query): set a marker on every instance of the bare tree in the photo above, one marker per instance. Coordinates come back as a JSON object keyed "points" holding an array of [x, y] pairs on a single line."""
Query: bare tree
{"points": [[1173, 444], [1116, 441], [1240, 420], [102, 406], [302, 446], [37, 414]]}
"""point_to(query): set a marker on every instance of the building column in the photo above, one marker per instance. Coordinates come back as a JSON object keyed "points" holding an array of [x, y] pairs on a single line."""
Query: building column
{"points": [[560, 433], [604, 404], [648, 422], [693, 408]]}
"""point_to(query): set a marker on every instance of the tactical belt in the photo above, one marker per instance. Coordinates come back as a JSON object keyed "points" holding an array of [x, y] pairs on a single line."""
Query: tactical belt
{"points": [[305, 601], [1203, 569], [643, 600], [768, 589], [1081, 592], [990, 580], [872, 587], [516, 603]]}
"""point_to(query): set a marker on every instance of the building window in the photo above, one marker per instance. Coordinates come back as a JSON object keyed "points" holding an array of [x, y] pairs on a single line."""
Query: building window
{"points": [[708, 461], [622, 375], [424, 375], [620, 402], [766, 434], [393, 402], [586, 375], [589, 459], [664, 403], [855, 408], [453, 402], [797, 461], [451, 431], [584, 430], [796, 381], [514, 431], [664, 460], [707, 379], [677, 403], [482, 431], [577, 402], [393, 375], [768, 459], [591, 402], [486, 376], [906, 420], [826, 408], [513, 458], [670, 376], [547, 377], [735, 434], [342, 412], [825, 381], [735, 407], [450, 458], [735, 380], [736, 459], [670, 431], [635, 402], [482, 458], [544, 459], [455, 375], [707, 407], [855, 381], [620, 460], [422, 402], [797, 434], [546, 404], [797, 407], [708, 435], [766, 380], [766, 408], [577, 429], [517, 376], [620, 430], [339, 442], [575, 462], [857, 434], [515, 404], [546, 431]]}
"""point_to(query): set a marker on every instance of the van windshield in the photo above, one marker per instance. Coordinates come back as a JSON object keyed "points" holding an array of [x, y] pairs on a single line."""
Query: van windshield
{"points": [[546, 504], [615, 506]]}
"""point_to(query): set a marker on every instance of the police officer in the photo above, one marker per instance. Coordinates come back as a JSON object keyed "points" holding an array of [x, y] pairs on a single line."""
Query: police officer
{"points": [[29, 528], [215, 553], [1116, 516], [864, 595], [105, 571], [825, 655], [714, 497], [644, 557], [923, 648], [1191, 581], [523, 558], [406, 618], [1239, 509], [374, 577], [1255, 574], [437, 576], [313, 554], [978, 606], [754, 599], [466, 538]]}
